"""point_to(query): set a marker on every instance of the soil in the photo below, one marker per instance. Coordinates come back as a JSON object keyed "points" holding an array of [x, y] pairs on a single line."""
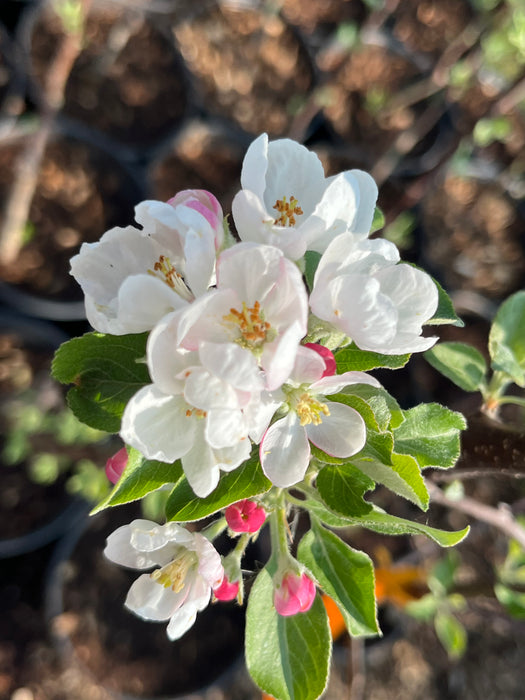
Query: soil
{"points": [[81, 192], [248, 66], [140, 80]]}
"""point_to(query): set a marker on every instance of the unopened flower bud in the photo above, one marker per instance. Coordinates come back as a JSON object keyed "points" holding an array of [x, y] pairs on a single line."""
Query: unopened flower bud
{"points": [[328, 357], [203, 202], [116, 465], [295, 593], [227, 590], [245, 516]]}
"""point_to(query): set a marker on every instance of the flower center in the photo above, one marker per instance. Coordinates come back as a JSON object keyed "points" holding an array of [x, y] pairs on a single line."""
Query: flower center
{"points": [[310, 410], [164, 270], [197, 412], [288, 211], [174, 574], [253, 330]]}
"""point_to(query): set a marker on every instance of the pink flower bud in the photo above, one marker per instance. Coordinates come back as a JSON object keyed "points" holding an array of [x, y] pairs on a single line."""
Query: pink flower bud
{"points": [[203, 202], [295, 594], [245, 516], [226, 591], [328, 357], [116, 465]]}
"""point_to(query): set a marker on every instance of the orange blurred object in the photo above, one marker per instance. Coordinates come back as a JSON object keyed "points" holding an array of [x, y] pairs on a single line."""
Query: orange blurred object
{"points": [[398, 585]]}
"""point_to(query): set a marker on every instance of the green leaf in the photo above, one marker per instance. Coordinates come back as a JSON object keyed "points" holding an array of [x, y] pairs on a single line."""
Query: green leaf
{"points": [[459, 362], [288, 657], [311, 261], [342, 489], [513, 601], [385, 524], [430, 433], [403, 477], [358, 404], [345, 574], [423, 609], [378, 221], [244, 482], [445, 312], [140, 477], [507, 338], [107, 371], [451, 634], [385, 408], [352, 358]]}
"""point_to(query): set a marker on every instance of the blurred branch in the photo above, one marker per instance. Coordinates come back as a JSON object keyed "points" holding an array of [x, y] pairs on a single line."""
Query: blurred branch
{"points": [[500, 518], [28, 164]]}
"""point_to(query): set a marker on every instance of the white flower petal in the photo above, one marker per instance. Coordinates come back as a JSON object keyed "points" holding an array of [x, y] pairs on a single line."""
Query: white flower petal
{"points": [[337, 382], [120, 550], [285, 452], [201, 468], [143, 300], [152, 601], [157, 425], [341, 434], [182, 620], [255, 163]]}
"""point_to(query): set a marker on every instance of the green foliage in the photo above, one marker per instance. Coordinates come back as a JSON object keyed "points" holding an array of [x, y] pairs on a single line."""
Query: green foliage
{"points": [[445, 313], [400, 230], [345, 574], [245, 482], [311, 261], [106, 371], [140, 477], [507, 339], [288, 657], [488, 130], [461, 363], [378, 221], [342, 489], [352, 358]]}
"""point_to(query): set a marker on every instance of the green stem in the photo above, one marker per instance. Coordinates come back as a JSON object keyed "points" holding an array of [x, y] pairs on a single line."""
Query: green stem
{"points": [[214, 529], [512, 399], [279, 529], [497, 385]]}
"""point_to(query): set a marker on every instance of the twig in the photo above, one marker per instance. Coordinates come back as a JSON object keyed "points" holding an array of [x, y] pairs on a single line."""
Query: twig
{"points": [[500, 518], [358, 681], [28, 165], [461, 474]]}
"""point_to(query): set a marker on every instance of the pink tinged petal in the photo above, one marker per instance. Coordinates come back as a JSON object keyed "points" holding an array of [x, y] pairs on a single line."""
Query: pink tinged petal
{"points": [[295, 594], [226, 591], [116, 465], [181, 621], [285, 451], [335, 383], [202, 201], [158, 425], [233, 365], [309, 365], [341, 434], [327, 356], [152, 601], [254, 166], [245, 516], [143, 300]]}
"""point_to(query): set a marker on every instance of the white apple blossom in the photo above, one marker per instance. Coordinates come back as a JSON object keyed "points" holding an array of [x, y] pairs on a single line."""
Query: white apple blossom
{"points": [[253, 321], [333, 427], [133, 276], [190, 568], [187, 413], [287, 201], [360, 289]]}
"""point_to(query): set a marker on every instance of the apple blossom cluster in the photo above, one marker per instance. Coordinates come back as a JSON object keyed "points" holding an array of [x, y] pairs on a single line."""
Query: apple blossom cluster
{"points": [[242, 374]]}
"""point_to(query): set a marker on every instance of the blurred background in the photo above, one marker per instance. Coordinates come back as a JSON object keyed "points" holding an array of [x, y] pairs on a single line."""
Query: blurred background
{"points": [[104, 103]]}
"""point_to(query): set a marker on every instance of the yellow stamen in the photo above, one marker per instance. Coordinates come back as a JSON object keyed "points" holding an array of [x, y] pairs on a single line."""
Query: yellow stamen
{"points": [[254, 331], [165, 270], [197, 412], [174, 574], [309, 409], [288, 211]]}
